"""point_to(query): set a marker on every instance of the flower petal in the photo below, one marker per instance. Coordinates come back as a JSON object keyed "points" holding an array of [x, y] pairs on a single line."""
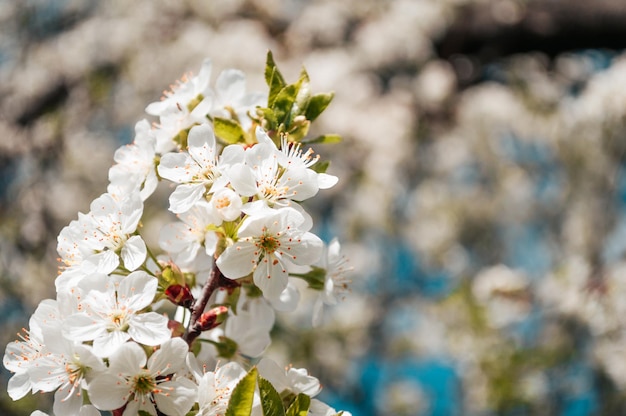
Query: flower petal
{"points": [[134, 253]]}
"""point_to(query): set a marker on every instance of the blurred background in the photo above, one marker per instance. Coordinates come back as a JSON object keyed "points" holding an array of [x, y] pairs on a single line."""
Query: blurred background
{"points": [[482, 194]]}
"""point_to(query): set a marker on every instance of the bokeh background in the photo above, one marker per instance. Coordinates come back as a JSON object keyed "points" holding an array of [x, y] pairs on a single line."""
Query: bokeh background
{"points": [[482, 194]]}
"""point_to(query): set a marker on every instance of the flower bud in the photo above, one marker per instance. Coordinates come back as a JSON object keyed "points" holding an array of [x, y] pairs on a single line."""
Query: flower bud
{"points": [[180, 295], [212, 318]]}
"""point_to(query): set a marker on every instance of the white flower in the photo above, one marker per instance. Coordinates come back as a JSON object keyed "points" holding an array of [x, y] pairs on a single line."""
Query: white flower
{"points": [[250, 327], [45, 361], [291, 155], [215, 389], [135, 165], [190, 90], [19, 356], [266, 244], [112, 315], [230, 99], [183, 239], [98, 240], [145, 384], [227, 203], [319, 408], [199, 171], [335, 282], [295, 380], [273, 185], [86, 410]]}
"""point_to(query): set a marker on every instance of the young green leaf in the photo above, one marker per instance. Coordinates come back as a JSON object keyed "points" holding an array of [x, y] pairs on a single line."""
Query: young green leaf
{"points": [[317, 104], [271, 402], [321, 167], [304, 94], [325, 138], [228, 130], [241, 399], [300, 406], [284, 103], [273, 78]]}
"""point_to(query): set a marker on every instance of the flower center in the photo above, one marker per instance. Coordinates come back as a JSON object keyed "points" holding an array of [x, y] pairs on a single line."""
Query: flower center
{"points": [[268, 243], [118, 321], [144, 383], [222, 202]]}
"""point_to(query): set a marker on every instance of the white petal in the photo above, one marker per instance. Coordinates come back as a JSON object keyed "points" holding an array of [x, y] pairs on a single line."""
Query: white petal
{"points": [[172, 167], [81, 327], [307, 250], [137, 290], [231, 155], [149, 328], [180, 398], [301, 382], [129, 359], [288, 299], [170, 357], [134, 253], [326, 181], [104, 262], [231, 86], [237, 260], [109, 343], [67, 405], [271, 277], [318, 311], [184, 196], [201, 142], [19, 385], [88, 410], [242, 178], [107, 392], [273, 373]]}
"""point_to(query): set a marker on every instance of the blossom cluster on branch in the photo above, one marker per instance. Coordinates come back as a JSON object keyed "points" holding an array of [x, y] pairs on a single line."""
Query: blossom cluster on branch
{"points": [[182, 329]]}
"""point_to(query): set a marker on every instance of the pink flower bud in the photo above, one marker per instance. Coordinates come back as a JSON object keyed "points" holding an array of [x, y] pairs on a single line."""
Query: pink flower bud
{"points": [[180, 295], [212, 318]]}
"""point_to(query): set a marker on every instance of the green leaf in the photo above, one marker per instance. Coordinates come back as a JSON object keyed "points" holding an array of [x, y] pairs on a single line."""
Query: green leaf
{"points": [[317, 104], [284, 103], [300, 406], [304, 94], [241, 399], [273, 78], [321, 167], [325, 138], [228, 130], [315, 277], [271, 402]]}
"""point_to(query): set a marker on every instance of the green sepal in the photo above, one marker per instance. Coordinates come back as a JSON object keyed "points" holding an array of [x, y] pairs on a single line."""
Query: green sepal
{"points": [[143, 413], [300, 406], [271, 402], [316, 277], [194, 102], [273, 78], [325, 139], [226, 347], [241, 399], [233, 298], [253, 291], [228, 130], [181, 138], [317, 104]]}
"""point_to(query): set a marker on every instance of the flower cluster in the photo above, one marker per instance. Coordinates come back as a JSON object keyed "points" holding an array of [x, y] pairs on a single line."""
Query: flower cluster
{"points": [[183, 329]]}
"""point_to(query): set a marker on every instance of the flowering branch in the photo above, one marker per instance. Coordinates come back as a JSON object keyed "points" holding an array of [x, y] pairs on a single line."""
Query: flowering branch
{"points": [[240, 176]]}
